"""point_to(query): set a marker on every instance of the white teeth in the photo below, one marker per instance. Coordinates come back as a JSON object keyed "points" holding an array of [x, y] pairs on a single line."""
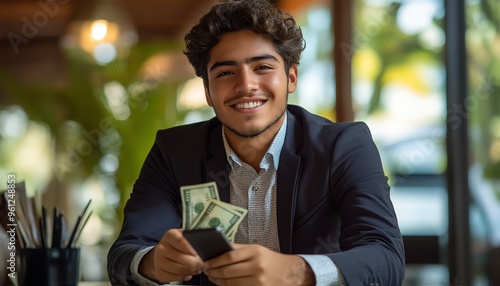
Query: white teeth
{"points": [[249, 104]]}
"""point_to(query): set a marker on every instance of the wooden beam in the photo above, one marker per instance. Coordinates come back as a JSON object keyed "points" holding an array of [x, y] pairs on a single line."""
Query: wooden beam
{"points": [[40, 62], [343, 35], [34, 19]]}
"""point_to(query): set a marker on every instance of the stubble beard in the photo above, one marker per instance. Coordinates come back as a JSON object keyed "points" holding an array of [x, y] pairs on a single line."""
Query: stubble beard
{"points": [[254, 132]]}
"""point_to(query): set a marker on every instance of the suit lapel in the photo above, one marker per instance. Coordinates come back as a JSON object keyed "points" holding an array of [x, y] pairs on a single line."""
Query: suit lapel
{"points": [[218, 168], [288, 180]]}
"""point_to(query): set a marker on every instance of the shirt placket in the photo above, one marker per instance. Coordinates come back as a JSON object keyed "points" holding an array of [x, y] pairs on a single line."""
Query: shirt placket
{"points": [[256, 205]]}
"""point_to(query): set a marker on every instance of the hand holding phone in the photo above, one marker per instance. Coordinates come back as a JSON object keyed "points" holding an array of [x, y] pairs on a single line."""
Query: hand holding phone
{"points": [[209, 242]]}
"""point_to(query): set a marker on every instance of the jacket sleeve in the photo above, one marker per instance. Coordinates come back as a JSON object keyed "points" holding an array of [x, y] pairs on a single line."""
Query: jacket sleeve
{"points": [[152, 209], [370, 239]]}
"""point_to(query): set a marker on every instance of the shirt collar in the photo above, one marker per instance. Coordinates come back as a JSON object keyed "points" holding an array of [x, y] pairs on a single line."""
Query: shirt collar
{"points": [[272, 154]]}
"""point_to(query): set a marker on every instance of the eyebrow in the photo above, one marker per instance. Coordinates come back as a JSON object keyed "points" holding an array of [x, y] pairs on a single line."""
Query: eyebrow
{"points": [[247, 61]]}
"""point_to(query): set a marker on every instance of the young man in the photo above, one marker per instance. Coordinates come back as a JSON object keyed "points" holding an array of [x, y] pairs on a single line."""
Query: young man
{"points": [[318, 200]]}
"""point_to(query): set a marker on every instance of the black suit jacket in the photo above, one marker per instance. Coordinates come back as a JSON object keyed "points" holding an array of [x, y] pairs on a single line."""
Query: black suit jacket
{"points": [[332, 196]]}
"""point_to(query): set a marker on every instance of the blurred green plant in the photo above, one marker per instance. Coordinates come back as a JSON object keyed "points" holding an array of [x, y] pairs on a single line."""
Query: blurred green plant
{"points": [[483, 103], [380, 33], [84, 121]]}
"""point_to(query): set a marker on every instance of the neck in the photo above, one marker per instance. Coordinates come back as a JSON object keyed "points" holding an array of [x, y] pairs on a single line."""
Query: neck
{"points": [[252, 150]]}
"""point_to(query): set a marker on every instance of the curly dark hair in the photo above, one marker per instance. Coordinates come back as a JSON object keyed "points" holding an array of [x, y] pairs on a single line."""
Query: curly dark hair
{"points": [[259, 16]]}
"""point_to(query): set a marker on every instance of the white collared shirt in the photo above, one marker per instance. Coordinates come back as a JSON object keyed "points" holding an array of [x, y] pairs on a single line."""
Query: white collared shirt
{"points": [[256, 192]]}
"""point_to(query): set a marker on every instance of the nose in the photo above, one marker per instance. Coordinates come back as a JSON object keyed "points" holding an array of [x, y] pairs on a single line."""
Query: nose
{"points": [[246, 81]]}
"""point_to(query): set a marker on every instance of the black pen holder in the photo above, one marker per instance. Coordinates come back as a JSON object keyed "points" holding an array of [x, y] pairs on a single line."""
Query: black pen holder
{"points": [[48, 266]]}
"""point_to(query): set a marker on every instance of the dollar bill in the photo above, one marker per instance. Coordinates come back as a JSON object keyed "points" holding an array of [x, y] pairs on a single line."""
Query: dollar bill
{"points": [[221, 214], [232, 234], [195, 199]]}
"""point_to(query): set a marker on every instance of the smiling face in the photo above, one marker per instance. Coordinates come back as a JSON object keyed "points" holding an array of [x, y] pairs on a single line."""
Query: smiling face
{"points": [[247, 84]]}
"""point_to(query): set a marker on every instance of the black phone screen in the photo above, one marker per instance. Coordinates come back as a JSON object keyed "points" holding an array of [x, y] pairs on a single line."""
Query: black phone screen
{"points": [[209, 242]]}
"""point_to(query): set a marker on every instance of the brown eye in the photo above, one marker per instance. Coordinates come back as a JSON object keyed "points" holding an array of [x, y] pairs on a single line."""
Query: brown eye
{"points": [[224, 73], [264, 67]]}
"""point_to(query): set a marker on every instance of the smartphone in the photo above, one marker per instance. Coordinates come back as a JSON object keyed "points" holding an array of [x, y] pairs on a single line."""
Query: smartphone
{"points": [[208, 242]]}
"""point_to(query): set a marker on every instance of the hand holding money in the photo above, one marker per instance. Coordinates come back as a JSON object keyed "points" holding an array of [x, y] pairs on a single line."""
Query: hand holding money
{"points": [[202, 208]]}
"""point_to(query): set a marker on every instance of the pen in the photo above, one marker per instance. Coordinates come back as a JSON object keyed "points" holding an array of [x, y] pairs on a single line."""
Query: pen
{"points": [[43, 228], [62, 231], [77, 229], [56, 230], [42, 232], [81, 228], [73, 233]]}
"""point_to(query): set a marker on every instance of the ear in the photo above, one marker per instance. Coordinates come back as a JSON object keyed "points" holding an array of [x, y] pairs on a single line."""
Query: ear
{"points": [[293, 74], [207, 96]]}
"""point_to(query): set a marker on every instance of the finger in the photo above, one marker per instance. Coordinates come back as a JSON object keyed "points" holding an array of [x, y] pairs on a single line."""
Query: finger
{"points": [[175, 238], [234, 281], [241, 253], [167, 254], [231, 271], [175, 272], [165, 278], [178, 267], [239, 245]]}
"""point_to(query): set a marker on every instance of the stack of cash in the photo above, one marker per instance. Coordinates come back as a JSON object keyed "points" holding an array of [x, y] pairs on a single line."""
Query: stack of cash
{"points": [[202, 208]]}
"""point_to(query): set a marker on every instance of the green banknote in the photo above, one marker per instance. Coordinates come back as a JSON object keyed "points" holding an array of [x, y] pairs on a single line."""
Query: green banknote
{"points": [[195, 199], [221, 214]]}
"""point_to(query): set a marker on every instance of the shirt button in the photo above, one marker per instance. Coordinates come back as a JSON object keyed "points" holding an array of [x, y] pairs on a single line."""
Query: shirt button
{"points": [[255, 189]]}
